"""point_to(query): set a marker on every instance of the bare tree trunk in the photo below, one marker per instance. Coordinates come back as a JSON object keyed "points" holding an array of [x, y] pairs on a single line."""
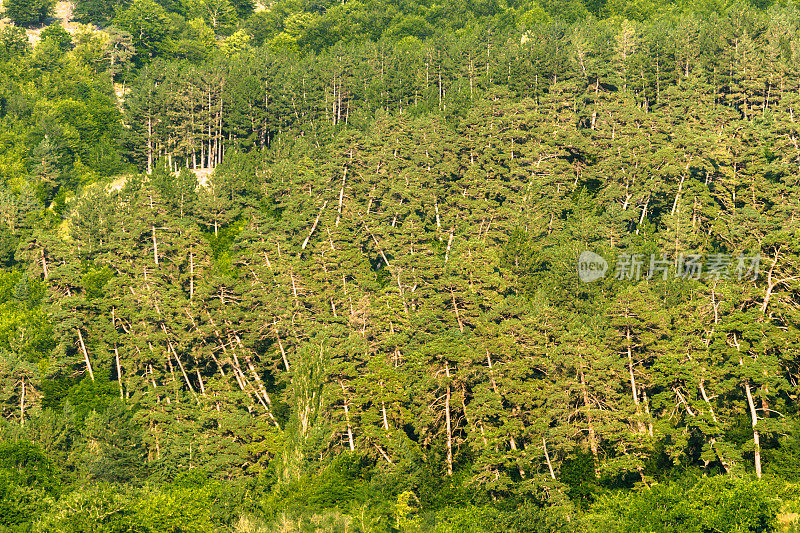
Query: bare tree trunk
{"points": [[341, 196], [753, 416], [191, 275], [592, 436], [119, 372], [45, 272], [314, 226], [347, 417], [200, 380], [210, 136], [85, 354], [283, 353], [756, 437], [155, 245], [22, 404], [455, 308], [149, 144], [256, 377], [677, 196], [449, 243], [635, 394], [713, 441], [383, 453], [547, 457], [183, 370], [448, 422]]}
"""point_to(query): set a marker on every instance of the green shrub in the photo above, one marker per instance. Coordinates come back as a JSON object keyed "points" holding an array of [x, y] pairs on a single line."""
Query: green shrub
{"points": [[19, 505], [174, 510], [27, 12], [719, 503], [91, 509]]}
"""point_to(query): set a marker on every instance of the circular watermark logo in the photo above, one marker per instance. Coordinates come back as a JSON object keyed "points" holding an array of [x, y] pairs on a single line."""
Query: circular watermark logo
{"points": [[591, 266]]}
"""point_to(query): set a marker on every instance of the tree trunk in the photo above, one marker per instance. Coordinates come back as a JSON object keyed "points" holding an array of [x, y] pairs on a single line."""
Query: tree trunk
{"points": [[85, 354], [45, 272], [756, 437], [341, 196], [634, 393], [753, 415], [149, 144], [547, 457], [257, 378], [119, 372], [314, 226], [283, 353], [155, 245], [191, 275], [592, 436], [448, 422], [180, 365], [22, 404], [347, 417]]}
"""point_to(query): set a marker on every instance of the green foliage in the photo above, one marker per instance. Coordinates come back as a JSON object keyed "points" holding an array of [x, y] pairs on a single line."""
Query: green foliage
{"points": [[98, 508], [173, 510], [56, 34], [491, 519], [341, 292], [27, 479], [92, 395], [694, 505], [13, 42], [99, 12], [27, 12], [26, 464], [147, 22], [579, 475]]}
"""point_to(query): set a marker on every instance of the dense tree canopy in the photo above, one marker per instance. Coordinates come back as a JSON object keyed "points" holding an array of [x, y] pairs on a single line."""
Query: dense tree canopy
{"points": [[27, 12], [318, 263]]}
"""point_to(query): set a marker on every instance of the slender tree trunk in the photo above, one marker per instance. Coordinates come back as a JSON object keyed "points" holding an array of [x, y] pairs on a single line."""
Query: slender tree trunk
{"points": [[448, 422], [756, 437], [341, 196], [45, 272], [383, 453], [455, 308], [283, 353], [200, 380], [347, 417], [314, 226], [590, 422], [753, 416], [149, 144], [171, 369], [85, 354], [191, 275], [449, 243], [210, 136], [383, 413], [713, 441], [634, 393], [119, 372], [22, 404], [547, 457], [155, 245], [180, 365], [256, 377]]}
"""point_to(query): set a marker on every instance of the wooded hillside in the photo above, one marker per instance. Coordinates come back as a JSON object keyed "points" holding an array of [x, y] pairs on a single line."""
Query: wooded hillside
{"points": [[370, 314]]}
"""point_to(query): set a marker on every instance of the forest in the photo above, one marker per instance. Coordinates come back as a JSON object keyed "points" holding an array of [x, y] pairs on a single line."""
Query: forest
{"points": [[316, 266]]}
